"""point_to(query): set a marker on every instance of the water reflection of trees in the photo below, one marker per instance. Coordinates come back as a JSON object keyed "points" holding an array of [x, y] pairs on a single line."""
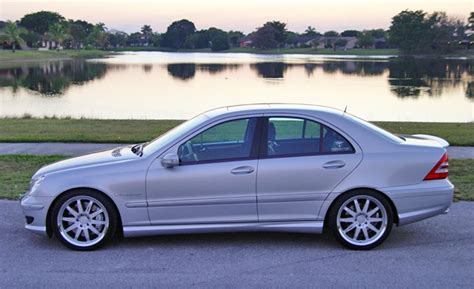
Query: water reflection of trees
{"points": [[51, 78], [187, 71], [432, 77]]}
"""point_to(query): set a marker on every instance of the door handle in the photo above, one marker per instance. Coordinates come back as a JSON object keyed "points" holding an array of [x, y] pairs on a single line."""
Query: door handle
{"points": [[242, 170], [334, 165]]}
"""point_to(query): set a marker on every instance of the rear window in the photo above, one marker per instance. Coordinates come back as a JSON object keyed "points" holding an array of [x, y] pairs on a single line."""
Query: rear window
{"points": [[379, 131]]}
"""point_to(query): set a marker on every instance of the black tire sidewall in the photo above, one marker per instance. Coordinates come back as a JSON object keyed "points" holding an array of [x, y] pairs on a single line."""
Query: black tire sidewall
{"points": [[332, 221], [111, 211]]}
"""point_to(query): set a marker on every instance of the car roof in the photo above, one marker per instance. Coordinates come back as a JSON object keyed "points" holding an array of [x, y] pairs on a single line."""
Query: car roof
{"points": [[271, 108]]}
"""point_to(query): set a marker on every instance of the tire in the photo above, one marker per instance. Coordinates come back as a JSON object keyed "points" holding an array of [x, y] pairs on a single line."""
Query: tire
{"points": [[359, 225], [84, 220]]}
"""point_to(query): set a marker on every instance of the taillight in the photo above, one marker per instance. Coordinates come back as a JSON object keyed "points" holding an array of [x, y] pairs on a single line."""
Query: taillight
{"points": [[440, 170]]}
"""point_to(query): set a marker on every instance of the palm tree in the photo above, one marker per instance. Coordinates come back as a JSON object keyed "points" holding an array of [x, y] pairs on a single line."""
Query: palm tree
{"points": [[310, 31], [146, 29], [58, 33], [12, 34]]}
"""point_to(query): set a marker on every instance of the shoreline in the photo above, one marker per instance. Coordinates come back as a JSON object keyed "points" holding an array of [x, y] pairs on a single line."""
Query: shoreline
{"points": [[22, 56]]}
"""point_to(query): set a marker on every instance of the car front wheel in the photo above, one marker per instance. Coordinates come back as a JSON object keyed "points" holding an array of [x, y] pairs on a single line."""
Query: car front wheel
{"points": [[361, 220], [83, 220]]}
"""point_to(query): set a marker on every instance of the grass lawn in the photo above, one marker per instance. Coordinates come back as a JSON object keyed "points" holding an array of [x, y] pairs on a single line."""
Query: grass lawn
{"points": [[25, 55], [16, 171], [134, 131]]}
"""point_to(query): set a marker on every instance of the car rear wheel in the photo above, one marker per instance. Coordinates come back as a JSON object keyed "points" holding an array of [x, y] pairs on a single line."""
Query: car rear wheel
{"points": [[83, 220], [361, 220]]}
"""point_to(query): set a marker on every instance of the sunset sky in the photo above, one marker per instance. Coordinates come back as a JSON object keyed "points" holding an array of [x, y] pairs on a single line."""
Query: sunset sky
{"points": [[243, 15]]}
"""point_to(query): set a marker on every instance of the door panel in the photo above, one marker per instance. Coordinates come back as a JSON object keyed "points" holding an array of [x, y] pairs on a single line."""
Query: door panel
{"points": [[294, 188], [202, 193], [301, 162]]}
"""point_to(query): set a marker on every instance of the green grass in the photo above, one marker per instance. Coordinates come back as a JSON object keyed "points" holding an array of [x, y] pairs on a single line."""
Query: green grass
{"points": [[16, 171], [25, 55], [461, 174], [134, 131]]}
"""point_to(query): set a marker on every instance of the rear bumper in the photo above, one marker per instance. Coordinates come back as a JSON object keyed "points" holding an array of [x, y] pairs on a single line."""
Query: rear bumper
{"points": [[421, 201]]}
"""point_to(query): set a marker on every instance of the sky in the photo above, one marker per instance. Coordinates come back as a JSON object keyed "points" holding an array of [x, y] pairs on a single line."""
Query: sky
{"points": [[242, 15]]}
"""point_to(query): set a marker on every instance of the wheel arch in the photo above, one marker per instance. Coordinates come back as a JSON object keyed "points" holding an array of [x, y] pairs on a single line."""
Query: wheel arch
{"points": [[49, 229], [382, 194]]}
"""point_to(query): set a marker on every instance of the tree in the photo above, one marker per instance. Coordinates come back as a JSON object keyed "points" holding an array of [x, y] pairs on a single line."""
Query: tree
{"points": [[265, 37], [310, 31], [98, 37], [117, 39], [419, 32], [12, 34], [78, 34], [350, 33], [340, 42], [280, 31], [177, 33], [234, 37], [220, 42], [409, 31], [365, 39], [146, 29], [58, 32], [39, 22], [331, 33]]}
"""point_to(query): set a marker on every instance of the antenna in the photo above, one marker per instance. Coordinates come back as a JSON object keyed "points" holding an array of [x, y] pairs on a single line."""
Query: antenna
{"points": [[345, 109]]}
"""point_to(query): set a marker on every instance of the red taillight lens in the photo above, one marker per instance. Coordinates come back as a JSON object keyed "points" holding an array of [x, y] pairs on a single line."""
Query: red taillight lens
{"points": [[440, 170]]}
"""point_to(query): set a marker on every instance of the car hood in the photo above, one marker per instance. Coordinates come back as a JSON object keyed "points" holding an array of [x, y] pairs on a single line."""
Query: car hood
{"points": [[98, 158]]}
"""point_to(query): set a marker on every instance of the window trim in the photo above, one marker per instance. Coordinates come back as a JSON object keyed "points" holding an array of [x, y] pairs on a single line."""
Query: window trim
{"points": [[264, 140], [254, 149]]}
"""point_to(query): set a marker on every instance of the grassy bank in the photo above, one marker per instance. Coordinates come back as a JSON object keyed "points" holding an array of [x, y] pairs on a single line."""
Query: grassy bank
{"points": [[16, 171], [26, 55], [134, 131]]}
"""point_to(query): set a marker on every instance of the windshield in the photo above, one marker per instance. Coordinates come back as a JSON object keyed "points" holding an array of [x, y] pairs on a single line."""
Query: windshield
{"points": [[172, 134], [380, 131]]}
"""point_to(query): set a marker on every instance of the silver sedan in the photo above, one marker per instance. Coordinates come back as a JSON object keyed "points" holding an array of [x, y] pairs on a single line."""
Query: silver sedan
{"points": [[267, 167]]}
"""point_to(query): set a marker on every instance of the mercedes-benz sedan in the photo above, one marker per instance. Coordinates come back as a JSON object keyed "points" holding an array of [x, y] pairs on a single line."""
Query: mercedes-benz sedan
{"points": [[268, 167]]}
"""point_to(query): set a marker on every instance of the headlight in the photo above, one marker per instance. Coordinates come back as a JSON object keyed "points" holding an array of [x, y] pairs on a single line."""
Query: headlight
{"points": [[34, 184]]}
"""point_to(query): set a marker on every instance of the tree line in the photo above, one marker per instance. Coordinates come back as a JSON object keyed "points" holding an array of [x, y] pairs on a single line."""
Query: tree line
{"points": [[410, 31]]}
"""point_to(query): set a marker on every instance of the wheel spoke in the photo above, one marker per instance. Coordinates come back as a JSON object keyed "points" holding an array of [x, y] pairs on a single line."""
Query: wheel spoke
{"points": [[357, 206], [357, 232], [78, 233], [350, 212], [96, 213], [351, 227], [366, 233], [366, 206], [373, 211], [375, 220], [97, 222], [72, 227], [79, 207], [69, 219], [71, 211], [346, 220], [89, 207], [86, 234], [94, 230], [372, 227]]}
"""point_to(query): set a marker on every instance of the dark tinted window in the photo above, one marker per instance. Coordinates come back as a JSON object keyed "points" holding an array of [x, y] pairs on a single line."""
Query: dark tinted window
{"points": [[225, 141], [296, 136]]}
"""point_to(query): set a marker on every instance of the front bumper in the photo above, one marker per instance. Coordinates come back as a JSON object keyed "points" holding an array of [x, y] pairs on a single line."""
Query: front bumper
{"points": [[35, 211]]}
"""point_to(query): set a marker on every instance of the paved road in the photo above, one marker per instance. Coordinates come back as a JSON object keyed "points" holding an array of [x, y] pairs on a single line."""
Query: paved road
{"points": [[74, 149], [435, 253]]}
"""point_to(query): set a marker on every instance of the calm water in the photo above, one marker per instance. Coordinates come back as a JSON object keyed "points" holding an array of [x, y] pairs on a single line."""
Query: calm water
{"points": [[155, 85]]}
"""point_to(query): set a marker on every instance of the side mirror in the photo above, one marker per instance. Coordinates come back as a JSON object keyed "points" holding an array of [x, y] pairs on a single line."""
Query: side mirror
{"points": [[170, 160]]}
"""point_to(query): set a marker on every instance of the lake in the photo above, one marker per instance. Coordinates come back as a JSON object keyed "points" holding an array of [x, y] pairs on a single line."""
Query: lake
{"points": [[159, 85]]}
